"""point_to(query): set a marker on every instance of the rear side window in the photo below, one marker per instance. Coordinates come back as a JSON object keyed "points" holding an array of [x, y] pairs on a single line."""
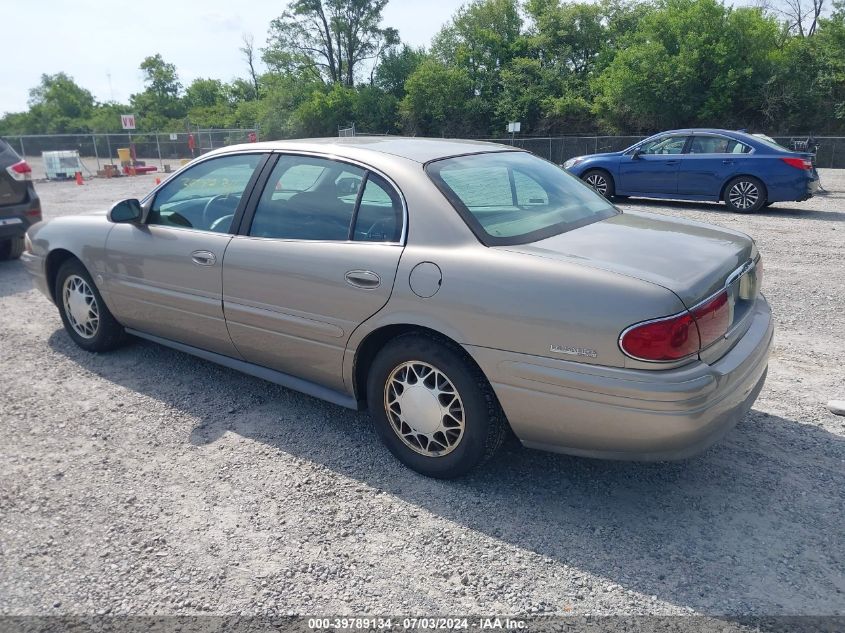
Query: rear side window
{"points": [[515, 197], [311, 198], [717, 145]]}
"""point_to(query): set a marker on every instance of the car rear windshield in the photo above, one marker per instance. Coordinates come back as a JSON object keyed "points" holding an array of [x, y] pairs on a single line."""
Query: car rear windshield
{"points": [[515, 197]]}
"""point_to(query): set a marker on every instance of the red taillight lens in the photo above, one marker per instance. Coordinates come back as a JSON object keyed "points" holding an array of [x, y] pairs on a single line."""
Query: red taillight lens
{"points": [[666, 339], [713, 318], [20, 170], [798, 163]]}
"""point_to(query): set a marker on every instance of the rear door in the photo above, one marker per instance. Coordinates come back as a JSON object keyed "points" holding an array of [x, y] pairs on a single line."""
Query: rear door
{"points": [[316, 256], [164, 277], [654, 168], [708, 164]]}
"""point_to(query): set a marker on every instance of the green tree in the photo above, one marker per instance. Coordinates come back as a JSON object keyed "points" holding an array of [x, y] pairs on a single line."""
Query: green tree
{"points": [[161, 100], [395, 68], [438, 101], [328, 39], [58, 104], [482, 39], [689, 62]]}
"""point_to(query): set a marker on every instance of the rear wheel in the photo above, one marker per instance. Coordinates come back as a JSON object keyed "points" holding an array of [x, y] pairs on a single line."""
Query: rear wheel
{"points": [[745, 194], [432, 407], [601, 181], [84, 313], [11, 248]]}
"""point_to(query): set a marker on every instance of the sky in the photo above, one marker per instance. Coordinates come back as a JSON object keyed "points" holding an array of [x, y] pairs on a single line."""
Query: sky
{"points": [[101, 44]]}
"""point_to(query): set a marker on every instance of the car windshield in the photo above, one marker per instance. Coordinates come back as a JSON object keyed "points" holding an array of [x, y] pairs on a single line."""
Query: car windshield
{"points": [[515, 197]]}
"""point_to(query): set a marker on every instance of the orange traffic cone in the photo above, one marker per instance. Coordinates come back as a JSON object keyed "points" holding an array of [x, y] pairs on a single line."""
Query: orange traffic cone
{"points": [[79, 178], [158, 181]]}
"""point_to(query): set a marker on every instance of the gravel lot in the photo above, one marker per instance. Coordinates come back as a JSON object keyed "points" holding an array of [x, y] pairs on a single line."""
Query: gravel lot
{"points": [[148, 482]]}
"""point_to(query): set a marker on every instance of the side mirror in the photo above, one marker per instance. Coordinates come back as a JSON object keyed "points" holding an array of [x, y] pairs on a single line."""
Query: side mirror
{"points": [[635, 155], [126, 211]]}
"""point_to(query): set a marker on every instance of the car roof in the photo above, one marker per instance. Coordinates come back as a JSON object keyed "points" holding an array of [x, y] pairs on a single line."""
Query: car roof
{"points": [[710, 130], [421, 150]]}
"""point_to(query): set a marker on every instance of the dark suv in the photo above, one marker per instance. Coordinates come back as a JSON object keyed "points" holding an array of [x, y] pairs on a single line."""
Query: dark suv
{"points": [[20, 207]]}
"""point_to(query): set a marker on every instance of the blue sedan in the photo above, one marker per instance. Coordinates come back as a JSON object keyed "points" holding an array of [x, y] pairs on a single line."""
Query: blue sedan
{"points": [[747, 171]]}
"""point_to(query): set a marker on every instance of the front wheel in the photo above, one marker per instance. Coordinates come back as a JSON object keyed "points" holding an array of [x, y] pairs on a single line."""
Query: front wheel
{"points": [[84, 313], [745, 194], [432, 407], [601, 181]]}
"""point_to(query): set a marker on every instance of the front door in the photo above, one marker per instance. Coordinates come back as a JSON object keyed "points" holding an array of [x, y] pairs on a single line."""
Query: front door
{"points": [[164, 277], [653, 168], [317, 258]]}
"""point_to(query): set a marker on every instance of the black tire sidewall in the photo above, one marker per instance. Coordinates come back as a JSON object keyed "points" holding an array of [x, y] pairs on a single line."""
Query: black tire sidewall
{"points": [[11, 248], [611, 187], [109, 332], [473, 445], [761, 200]]}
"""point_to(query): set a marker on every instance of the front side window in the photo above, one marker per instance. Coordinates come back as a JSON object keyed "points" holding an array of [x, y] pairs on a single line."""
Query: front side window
{"points": [[515, 197], [310, 198], [664, 145], [206, 196]]}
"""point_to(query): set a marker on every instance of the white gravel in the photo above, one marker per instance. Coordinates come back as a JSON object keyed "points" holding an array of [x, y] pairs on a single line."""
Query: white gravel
{"points": [[145, 481]]}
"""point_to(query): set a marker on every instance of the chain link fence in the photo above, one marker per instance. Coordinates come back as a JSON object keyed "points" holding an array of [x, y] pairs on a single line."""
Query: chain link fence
{"points": [[153, 148], [831, 149]]}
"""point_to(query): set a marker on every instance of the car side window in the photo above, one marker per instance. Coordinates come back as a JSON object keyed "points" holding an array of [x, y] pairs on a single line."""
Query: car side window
{"points": [[717, 145], [308, 198], [205, 196], [664, 145], [379, 217]]}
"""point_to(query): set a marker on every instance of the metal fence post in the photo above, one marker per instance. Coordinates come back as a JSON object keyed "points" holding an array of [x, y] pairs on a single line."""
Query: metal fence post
{"points": [[158, 147], [108, 145], [23, 149], [96, 153]]}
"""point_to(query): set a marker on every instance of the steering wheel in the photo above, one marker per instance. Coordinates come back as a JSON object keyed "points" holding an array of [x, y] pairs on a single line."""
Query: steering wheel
{"points": [[207, 219]]}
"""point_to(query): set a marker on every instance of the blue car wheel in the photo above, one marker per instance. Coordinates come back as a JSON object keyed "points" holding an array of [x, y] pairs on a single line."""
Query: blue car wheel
{"points": [[601, 181]]}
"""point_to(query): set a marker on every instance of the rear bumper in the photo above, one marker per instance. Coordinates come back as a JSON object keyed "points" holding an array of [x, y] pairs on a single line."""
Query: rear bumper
{"points": [[613, 413], [16, 219]]}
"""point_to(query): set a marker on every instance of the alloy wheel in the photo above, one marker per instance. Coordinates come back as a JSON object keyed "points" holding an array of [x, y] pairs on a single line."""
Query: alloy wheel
{"points": [[424, 408], [598, 182], [744, 194], [81, 307]]}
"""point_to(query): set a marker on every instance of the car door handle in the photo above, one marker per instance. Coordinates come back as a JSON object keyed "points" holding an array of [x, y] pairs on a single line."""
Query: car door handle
{"points": [[727, 161], [363, 279], [204, 258], [671, 162]]}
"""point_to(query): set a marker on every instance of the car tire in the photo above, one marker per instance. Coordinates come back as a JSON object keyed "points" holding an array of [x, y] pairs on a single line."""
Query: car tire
{"points": [[745, 194], [452, 421], [601, 181], [84, 313], [11, 248]]}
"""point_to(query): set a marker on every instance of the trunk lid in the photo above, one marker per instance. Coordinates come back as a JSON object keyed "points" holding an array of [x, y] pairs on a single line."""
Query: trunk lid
{"points": [[691, 259]]}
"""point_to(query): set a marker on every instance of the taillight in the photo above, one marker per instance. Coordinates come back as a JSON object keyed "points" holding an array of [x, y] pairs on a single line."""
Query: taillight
{"points": [[798, 163], [681, 335], [713, 318], [20, 170], [663, 339]]}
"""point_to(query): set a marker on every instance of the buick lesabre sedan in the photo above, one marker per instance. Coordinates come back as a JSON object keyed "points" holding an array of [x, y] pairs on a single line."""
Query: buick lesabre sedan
{"points": [[456, 289], [746, 171]]}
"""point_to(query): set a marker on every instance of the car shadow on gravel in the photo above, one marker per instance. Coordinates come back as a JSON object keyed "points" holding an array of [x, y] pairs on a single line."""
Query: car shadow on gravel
{"points": [[752, 526], [778, 210], [13, 278]]}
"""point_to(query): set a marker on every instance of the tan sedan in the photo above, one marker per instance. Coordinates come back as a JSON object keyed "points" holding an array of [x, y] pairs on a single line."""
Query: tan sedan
{"points": [[455, 288]]}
